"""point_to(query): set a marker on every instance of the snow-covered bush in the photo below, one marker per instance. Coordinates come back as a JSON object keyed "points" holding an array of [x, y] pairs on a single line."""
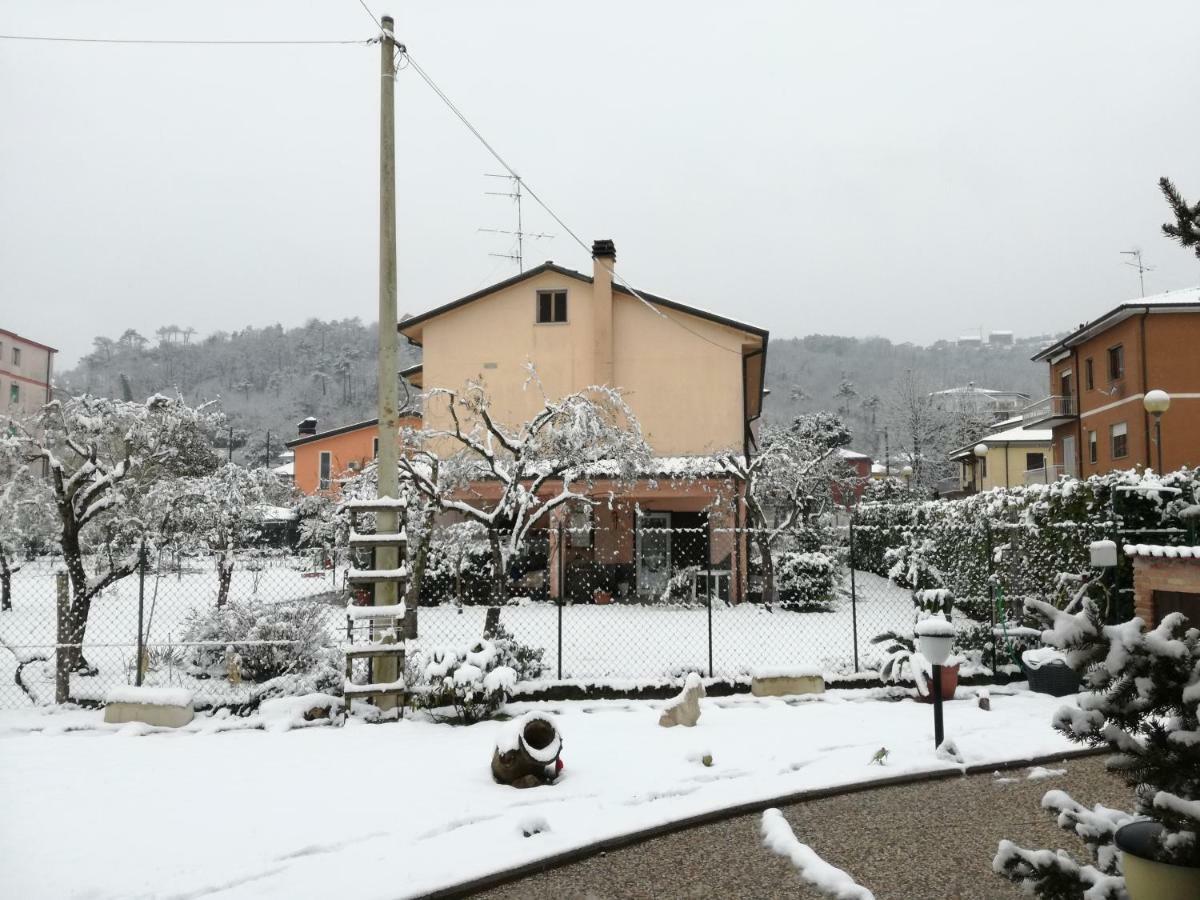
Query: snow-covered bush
{"points": [[470, 679], [270, 640], [807, 581], [1012, 543], [1144, 689]]}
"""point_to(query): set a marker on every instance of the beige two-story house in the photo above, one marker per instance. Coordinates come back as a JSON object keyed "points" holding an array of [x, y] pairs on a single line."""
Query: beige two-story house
{"points": [[694, 379]]}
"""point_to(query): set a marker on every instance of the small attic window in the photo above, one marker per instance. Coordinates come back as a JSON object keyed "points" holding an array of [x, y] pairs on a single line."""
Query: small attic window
{"points": [[551, 307]]}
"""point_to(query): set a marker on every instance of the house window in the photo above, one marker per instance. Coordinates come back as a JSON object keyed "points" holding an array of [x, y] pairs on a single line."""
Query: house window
{"points": [[1116, 363], [14, 393], [1093, 447], [983, 469], [1064, 383], [324, 466], [1120, 440], [579, 527], [551, 307], [1088, 374], [16, 356], [375, 448], [1035, 461]]}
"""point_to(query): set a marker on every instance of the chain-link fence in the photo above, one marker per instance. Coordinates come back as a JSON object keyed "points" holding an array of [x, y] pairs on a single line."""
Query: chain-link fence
{"points": [[227, 628], [620, 608]]}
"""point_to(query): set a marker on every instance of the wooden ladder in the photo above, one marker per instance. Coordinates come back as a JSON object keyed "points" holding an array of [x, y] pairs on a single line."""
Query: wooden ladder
{"points": [[375, 632]]}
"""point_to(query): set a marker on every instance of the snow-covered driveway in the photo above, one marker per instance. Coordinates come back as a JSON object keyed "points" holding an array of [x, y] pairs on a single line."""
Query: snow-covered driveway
{"points": [[397, 810]]}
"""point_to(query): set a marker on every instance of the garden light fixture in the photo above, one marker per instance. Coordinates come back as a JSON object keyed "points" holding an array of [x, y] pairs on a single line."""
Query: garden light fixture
{"points": [[1157, 402], [935, 638], [981, 452]]}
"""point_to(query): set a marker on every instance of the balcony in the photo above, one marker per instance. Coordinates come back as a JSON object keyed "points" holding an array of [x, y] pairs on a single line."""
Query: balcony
{"points": [[1049, 412], [1049, 474]]}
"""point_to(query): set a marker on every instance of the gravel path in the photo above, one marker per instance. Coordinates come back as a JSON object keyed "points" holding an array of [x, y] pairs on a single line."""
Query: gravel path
{"points": [[927, 841]]}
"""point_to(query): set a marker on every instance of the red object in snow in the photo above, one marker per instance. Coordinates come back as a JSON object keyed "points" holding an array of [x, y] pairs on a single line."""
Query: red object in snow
{"points": [[558, 766]]}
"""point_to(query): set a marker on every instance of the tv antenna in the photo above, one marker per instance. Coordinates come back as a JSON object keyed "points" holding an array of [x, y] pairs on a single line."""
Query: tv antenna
{"points": [[1137, 263], [520, 234]]}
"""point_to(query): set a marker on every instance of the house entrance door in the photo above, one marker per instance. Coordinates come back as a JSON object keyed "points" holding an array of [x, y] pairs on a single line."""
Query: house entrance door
{"points": [[653, 552], [1068, 464]]}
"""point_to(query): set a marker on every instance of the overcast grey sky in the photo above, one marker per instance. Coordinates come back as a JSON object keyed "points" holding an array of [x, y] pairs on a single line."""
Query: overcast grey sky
{"points": [[913, 170]]}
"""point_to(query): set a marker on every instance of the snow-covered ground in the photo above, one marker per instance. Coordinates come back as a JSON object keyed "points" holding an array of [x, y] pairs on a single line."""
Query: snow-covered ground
{"points": [[399, 809], [627, 642]]}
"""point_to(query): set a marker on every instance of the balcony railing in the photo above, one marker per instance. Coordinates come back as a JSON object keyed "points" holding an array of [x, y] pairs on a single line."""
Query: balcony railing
{"points": [[1049, 408], [1049, 474]]}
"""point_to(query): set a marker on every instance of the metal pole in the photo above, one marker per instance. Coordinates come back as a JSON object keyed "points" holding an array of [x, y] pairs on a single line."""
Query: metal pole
{"points": [[388, 387], [708, 563], [562, 588], [141, 639], [1158, 440], [267, 461], [937, 707], [853, 596], [61, 657], [230, 456]]}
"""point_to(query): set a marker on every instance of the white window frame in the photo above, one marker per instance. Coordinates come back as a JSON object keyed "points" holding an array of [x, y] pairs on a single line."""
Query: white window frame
{"points": [[324, 462]]}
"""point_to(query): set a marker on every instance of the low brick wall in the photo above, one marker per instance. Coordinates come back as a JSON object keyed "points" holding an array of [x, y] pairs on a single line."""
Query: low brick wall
{"points": [[1152, 573]]}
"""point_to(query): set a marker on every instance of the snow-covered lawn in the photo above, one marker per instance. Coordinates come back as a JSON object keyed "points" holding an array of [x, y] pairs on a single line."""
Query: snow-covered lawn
{"points": [[399, 809], [630, 642]]}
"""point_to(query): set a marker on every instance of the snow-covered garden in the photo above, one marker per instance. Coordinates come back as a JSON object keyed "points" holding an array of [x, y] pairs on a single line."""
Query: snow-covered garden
{"points": [[398, 810]]}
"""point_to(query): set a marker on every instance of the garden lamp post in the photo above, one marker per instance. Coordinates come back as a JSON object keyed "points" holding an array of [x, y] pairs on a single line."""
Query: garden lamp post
{"points": [[1157, 402], [981, 452], [907, 472], [935, 637]]}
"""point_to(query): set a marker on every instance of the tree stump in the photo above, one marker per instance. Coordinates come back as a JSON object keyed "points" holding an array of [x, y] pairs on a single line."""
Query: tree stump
{"points": [[526, 754]]}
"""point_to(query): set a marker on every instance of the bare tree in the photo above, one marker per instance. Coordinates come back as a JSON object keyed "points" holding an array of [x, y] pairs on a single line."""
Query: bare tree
{"points": [[530, 470]]}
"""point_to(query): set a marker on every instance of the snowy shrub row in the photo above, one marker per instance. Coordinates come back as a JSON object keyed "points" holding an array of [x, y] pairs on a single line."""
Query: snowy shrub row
{"points": [[1022, 537]]}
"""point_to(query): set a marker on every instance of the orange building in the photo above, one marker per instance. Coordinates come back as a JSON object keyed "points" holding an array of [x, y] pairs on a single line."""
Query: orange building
{"points": [[324, 459], [1099, 377]]}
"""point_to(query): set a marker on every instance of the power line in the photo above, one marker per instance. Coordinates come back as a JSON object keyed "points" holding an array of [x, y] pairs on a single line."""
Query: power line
{"points": [[86, 40], [542, 203]]}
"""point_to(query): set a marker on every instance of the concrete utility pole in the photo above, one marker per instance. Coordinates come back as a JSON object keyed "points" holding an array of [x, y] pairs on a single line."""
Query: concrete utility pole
{"points": [[389, 482]]}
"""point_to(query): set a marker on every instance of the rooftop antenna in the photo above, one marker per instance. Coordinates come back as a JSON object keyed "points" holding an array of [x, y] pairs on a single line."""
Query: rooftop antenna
{"points": [[1137, 263], [520, 233]]}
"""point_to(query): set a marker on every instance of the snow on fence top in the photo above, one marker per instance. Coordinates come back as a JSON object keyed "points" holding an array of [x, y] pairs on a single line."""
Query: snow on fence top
{"points": [[1162, 551], [152, 696]]}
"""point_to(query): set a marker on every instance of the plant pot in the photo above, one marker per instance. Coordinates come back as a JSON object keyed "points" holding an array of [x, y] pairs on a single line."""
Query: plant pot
{"points": [[1145, 877], [949, 685], [1056, 679], [600, 597]]}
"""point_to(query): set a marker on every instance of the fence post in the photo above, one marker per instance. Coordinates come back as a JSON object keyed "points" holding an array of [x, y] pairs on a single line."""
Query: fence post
{"points": [[853, 595], [709, 583], [141, 639], [562, 589], [61, 657], [987, 531]]}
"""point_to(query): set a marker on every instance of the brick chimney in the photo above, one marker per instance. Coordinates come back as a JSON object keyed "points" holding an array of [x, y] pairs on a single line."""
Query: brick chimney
{"points": [[307, 428], [604, 261]]}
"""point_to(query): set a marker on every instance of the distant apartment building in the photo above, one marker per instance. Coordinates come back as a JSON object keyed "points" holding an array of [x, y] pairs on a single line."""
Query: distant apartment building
{"points": [[1100, 374], [995, 404], [26, 373]]}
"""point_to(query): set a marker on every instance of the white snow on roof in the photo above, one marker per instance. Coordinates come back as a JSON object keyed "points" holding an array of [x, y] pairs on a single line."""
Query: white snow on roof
{"points": [[287, 470], [1027, 435], [1160, 550], [847, 453]]}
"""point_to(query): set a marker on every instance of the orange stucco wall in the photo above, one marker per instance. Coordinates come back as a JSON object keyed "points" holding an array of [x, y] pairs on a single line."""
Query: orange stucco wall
{"points": [[348, 451]]}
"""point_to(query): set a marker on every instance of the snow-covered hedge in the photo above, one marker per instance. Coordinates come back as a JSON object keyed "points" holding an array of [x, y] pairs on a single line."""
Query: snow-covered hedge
{"points": [[470, 679], [1024, 536]]}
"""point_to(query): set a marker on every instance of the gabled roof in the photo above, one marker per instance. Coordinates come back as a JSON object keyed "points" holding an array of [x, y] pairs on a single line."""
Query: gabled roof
{"points": [[549, 266], [1183, 300]]}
